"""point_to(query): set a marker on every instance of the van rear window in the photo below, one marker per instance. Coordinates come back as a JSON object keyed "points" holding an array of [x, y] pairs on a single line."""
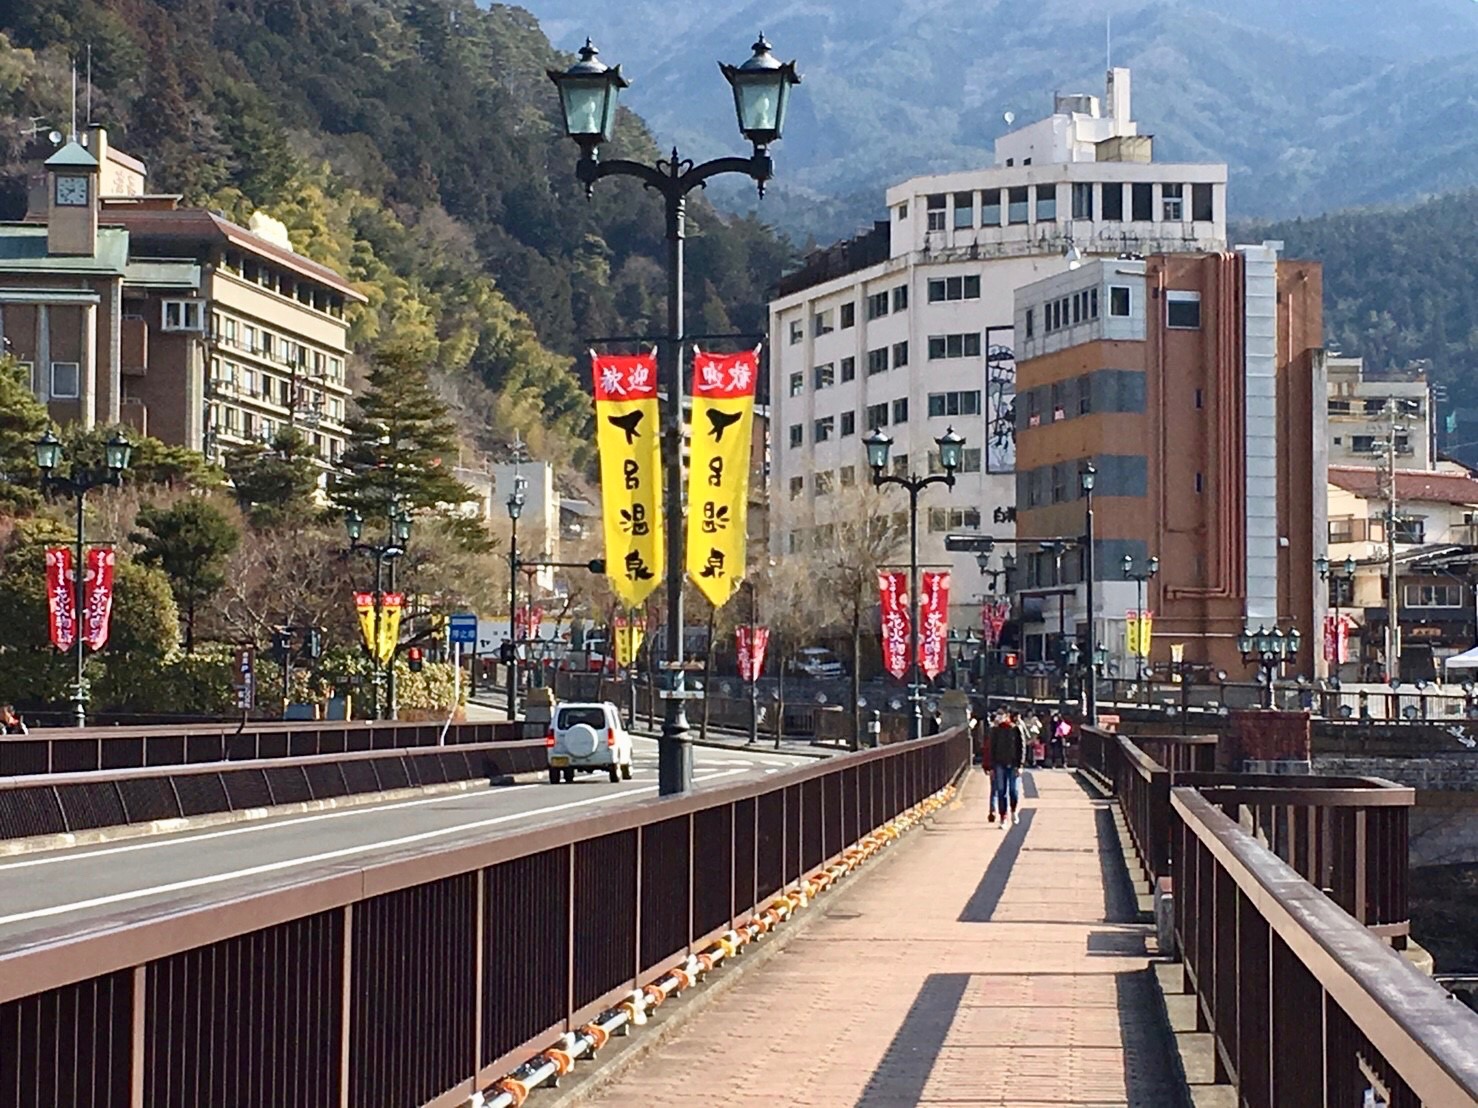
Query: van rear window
{"points": [[569, 717]]}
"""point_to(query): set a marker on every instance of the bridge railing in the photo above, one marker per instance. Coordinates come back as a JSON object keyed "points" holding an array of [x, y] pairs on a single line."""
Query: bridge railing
{"points": [[421, 976]]}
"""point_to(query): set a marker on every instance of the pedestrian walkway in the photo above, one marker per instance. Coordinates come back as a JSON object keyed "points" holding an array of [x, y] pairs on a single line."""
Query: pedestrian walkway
{"points": [[974, 968]]}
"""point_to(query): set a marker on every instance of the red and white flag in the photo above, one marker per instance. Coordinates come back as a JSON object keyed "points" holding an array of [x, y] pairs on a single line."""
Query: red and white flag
{"points": [[893, 602], [751, 659], [98, 602], [1336, 639], [993, 617], [934, 622], [61, 602]]}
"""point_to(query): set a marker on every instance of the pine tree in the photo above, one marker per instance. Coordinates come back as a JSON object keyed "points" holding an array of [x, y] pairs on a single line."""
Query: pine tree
{"points": [[401, 443], [190, 541], [274, 485], [23, 420]]}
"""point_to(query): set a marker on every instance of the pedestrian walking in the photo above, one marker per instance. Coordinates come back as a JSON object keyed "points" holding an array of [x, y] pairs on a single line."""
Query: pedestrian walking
{"points": [[1057, 742], [1036, 751], [1007, 754], [11, 722]]}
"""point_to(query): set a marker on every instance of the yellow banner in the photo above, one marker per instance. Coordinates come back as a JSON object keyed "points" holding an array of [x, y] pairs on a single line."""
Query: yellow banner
{"points": [[718, 474], [391, 604], [627, 436], [1139, 632], [630, 634]]}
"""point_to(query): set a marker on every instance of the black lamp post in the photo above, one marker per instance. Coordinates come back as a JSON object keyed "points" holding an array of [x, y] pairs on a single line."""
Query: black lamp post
{"points": [[951, 448], [1087, 480], [1269, 650], [1140, 577], [1057, 548], [1340, 578], [990, 642], [77, 484], [384, 555], [587, 93], [516, 502]]}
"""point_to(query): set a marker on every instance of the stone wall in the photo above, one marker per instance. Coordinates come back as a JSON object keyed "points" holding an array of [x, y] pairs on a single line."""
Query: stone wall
{"points": [[1444, 824]]}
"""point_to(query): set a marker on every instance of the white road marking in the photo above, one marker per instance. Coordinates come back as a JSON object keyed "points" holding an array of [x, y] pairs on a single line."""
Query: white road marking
{"points": [[294, 863]]}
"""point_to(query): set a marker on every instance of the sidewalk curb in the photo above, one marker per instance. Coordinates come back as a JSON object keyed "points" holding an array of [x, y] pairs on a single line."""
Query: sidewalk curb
{"points": [[618, 1059]]}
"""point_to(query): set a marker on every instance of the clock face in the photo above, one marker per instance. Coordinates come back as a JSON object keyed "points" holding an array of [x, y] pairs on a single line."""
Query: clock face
{"points": [[71, 191]]}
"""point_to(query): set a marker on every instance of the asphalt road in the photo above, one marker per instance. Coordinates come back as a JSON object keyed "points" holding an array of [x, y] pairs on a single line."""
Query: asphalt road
{"points": [[43, 895]]}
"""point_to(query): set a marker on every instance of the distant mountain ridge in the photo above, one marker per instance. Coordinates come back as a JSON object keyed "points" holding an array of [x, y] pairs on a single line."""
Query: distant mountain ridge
{"points": [[1315, 106]]}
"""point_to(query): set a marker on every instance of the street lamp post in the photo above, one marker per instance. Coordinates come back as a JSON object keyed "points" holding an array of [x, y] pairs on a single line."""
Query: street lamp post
{"points": [[1087, 480], [1140, 577], [588, 91], [384, 555], [1340, 578], [951, 447], [77, 484], [989, 638], [1269, 650], [516, 502], [754, 672]]}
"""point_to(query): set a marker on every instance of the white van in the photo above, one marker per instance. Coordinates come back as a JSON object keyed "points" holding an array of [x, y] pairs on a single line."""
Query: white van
{"points": [[586, 737]]}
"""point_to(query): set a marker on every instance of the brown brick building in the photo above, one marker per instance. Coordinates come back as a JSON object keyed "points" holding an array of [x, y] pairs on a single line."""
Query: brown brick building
{"points": [[1195, 384]]}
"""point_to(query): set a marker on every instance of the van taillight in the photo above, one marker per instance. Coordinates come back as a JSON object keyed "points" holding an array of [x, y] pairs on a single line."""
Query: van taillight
{"points": [[549, 739], [610, 736]]}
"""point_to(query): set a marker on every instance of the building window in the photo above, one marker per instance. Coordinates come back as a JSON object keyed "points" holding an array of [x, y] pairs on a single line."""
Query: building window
{"points": [[822, 482], [1172, 203], [797, 434], [1182, 310], [1202, 210], [1143, 198], [877, 305], [29, 368], [964, 210], [1362, 444], [954, 519], [965, 345], [797, 486], [1113, 202], [877, 361], [825, 427], [849, 315], [849, 476], [849, 424], [936, 204], [1017, 204], [903, 210], [900, 354], [797, 383], [970, 459], [877, 416], [849, 369], [900, 298], [900, 410], [1433, 596], [189, 315], [65, 377], [821, 324], [1085, 395], [1200, 483], [797, 331], [954, 288], [1082, 200], [1046, 203], [954, 403], [1092, 303], [1119, 301], [824, 376], [900, 465], [1411, 529], [990, 208], [1030, 322]]}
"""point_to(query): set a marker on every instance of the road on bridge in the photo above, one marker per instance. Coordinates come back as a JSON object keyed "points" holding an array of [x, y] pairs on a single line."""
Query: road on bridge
{"points": [[59, 893]]}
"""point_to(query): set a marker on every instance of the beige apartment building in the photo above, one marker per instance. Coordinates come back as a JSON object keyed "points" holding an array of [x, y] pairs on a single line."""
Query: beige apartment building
{"points": [[175, 321]]}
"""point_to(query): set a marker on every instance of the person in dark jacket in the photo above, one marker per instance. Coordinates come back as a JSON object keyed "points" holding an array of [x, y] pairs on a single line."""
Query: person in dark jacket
{"points": [[1007, 754]]}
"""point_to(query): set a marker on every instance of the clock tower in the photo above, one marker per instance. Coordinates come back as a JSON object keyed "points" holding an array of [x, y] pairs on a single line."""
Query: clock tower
{"points": [[72, 201]]}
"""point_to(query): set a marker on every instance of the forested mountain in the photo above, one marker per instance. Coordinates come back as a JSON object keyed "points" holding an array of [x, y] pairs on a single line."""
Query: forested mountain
{"points": [[1315, 105], [413, 144]]}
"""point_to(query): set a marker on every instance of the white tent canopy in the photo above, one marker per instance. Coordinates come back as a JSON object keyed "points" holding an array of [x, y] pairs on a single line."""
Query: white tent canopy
{"points": [[1468, 659]]}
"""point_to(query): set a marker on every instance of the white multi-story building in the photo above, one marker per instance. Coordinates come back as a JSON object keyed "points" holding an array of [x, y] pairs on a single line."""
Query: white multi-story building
{"points": [[1364, 410], [909, 327]]}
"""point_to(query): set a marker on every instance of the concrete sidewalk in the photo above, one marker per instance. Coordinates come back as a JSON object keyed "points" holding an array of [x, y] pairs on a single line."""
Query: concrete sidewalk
{"points": [[981, 968]]}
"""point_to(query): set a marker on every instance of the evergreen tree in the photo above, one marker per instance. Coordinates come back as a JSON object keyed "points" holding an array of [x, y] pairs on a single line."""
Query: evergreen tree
{"points": [[274, 485], [401, 443], [23, 420], [190, 542]]}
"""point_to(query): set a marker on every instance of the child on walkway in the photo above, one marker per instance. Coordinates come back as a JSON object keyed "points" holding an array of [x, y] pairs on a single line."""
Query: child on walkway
{"points": [[1007, 753]]}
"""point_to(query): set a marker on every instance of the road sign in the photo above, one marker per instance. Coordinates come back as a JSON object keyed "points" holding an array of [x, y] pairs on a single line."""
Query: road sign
{"points": [[462, 628]]}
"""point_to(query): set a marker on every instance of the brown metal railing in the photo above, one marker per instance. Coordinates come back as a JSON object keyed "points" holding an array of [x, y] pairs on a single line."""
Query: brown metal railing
{"points": [[423, 976]]}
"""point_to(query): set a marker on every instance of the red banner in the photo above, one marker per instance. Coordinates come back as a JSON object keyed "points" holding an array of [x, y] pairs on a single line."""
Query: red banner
{"points": [[993, 617], [751, 662], [526, 622], [893, 603], [1336, 639], [60, 597], [934, 622], [98, 602]]}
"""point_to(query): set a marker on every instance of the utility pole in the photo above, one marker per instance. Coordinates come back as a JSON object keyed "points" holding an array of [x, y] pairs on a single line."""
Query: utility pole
{"points": [[1393, 607]]}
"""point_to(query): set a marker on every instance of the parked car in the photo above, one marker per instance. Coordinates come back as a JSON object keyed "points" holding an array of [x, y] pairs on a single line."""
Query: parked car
{"points": [[586, 737], [816, 661]]}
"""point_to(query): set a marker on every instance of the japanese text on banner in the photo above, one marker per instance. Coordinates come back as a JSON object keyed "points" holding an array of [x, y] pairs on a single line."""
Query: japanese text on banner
{"points": [[630, 633], [98, 603], [893, 602], [389, 629], [61, 604], [751, 655], [718, 477], [1138, 632], [628, 438], [934, 622]]}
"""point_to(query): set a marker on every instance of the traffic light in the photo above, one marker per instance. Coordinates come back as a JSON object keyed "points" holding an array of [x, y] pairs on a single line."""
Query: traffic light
{"points": [[313, 644], [415, 659], [282, 643], [596, 566], [505, 652], [1012, 659]]}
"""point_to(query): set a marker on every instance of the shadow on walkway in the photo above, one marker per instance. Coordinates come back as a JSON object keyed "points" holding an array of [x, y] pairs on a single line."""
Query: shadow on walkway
{"points": [[1151, 1078], [986, 898], [904, 1070]]}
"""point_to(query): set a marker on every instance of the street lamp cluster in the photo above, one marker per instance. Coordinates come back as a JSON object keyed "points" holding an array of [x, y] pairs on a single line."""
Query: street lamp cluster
{"points": [[1269, 651], [384, 553], [1140, 577], [588, 93], [79, 481], [516, 501]]}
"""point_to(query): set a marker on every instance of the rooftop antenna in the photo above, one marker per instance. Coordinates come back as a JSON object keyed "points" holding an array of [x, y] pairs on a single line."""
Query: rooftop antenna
{"points": [[1108, 40], [89, 84], [73, 135]]}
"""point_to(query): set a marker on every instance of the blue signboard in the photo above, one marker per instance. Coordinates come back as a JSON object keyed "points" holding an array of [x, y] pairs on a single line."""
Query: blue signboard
{"points": [[462, 627]]}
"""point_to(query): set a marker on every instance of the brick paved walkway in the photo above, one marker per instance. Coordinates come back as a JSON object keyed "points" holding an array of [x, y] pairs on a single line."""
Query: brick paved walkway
{"points": [[981, 968]]}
